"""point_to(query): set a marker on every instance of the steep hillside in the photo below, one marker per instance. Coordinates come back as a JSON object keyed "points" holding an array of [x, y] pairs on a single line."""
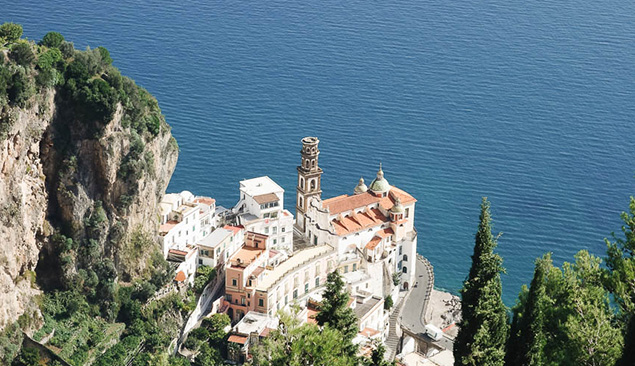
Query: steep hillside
{"points": [[85, 157]]}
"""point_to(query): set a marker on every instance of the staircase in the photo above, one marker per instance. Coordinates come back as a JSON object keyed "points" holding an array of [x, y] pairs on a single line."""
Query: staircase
{"points": [[392, 343]]}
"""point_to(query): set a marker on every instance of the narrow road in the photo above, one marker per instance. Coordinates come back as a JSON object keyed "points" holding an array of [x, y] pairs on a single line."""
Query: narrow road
{"points": [[413, 312]]}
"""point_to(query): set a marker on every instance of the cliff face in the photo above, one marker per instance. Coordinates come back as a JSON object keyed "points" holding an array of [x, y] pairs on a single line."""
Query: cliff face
{"points": [[72, 195]]}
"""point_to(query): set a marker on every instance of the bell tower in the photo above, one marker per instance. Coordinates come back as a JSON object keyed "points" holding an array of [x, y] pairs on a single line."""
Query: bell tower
{"points": [[309, 180]]}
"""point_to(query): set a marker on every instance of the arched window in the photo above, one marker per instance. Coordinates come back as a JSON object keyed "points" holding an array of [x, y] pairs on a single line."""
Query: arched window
{"points": [[301, 201], [302, 182], [312, 163], [404, 269], [312, 184], [405, 257]]}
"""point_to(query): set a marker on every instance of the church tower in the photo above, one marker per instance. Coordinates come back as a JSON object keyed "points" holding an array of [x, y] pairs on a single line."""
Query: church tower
{"points": [[309, 180]]}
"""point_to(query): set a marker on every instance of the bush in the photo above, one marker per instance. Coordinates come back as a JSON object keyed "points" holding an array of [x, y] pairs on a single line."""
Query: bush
{"points": [[49, 59], [105, 55], [52, 39], [22, 54], [204, 274], [22, 87], [388, 302], [67, 49], [10, 32]]}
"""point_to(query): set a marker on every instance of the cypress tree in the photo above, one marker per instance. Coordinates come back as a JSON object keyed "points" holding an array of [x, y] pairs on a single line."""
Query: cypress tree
{"points": [[335, 312], [483, 328], [528, 339]]}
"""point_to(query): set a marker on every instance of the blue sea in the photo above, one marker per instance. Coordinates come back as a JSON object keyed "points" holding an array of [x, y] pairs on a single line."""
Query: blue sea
{"points": [[530, 103]]}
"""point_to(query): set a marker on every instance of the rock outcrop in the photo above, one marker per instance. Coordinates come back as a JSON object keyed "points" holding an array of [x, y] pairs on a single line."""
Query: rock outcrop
{"points": [[59, 175]]}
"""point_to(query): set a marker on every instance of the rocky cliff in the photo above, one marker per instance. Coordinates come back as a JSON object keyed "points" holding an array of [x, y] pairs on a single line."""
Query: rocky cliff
{"points": [[84, 162]]}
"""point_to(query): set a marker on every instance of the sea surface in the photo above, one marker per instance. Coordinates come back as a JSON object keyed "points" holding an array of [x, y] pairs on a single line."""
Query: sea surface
{"points": [[530, 103]]}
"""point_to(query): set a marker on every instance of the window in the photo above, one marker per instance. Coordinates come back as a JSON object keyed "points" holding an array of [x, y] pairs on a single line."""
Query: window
{"points": [[315, 240], [266, 229], [399, 264], [242, 300], [275, 241], [234, 282], [405, 257], [354, 267], [200, 261], [283, 229], [306, 288], [345, 269], [282, 239], [400, 249], [274, 230], [312, 184], [407, 212], [194, 228], [228, 297], [250, 286], [266, 215], [179, 233], [295, 293], [404, 270], [317, 282], [231, 238], [261, 302]]}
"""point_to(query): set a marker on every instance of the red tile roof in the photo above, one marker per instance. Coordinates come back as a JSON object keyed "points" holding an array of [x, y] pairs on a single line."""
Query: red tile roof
{"points": [[206, 200], [234, 229], [345, 202], [237, 339], [167, 226], [356, 222], [180, 277], [372, 244], [369, 332]]}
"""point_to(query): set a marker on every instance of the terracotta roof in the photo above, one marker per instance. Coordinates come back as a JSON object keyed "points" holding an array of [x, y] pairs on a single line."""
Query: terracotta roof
{"points": [[206, 200], [266, 198], [369, 332], [167, 226], [356, 222], [265, 332], [237, 339], [310, 316], [177, 252], [245, 256], [234, 229], [384, 232], [345, 202], [180, 277], [372, 244], [257, 271]]}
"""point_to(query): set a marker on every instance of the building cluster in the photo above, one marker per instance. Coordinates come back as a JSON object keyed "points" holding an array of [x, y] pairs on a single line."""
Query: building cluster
{"points": [[271, 261]]}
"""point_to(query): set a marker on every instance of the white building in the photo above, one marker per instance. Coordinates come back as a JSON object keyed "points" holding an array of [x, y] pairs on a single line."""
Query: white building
{"points": [[219, 245], [261, 210], [372, 230]]}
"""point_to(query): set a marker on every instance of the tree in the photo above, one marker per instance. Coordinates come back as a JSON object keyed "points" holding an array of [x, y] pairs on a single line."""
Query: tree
{"points": [[334, 309], [388, 303], [527, 336], [22, 54], [9, 33], [377, 356], [294, 345], [52, 39], [483, 329]]}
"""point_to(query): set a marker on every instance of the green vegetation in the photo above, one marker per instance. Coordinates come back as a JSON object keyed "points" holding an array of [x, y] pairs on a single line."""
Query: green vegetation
{"points": [[335, 312], [9, 33], [52, 40], [209, 340], [580, 314], [204, 275], [483, 328], [388, 303]]}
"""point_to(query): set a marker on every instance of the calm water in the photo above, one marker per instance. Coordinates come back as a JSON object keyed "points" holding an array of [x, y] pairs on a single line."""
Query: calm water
{"points": [[530, 103]]}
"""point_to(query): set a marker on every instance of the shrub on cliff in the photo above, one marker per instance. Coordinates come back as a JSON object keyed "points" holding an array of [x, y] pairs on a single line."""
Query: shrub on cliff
{"points": [[9, 33], [52, 39], [22, 54]]}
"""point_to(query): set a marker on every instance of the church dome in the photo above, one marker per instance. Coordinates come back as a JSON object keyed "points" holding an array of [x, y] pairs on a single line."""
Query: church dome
{"points": [[361, 187], [379, 184], [397, 208]]}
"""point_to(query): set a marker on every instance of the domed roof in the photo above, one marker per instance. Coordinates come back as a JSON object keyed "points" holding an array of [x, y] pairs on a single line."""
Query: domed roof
{"points": [[379, 184], [397, 207], [361, 187]]}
